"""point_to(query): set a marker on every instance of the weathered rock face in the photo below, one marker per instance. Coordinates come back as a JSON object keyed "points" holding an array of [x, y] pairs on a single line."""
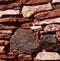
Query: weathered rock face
{"points": [[47, 21], [34, 1], [27, 11], [52, 27], [48, 42], [10, 6], [47, 14], [9, 12], [14, 19], [27, 27], [23, 43], [48, 56]]}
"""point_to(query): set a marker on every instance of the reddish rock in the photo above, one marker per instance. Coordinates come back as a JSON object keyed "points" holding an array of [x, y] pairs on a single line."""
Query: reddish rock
{"points": [[10, 6], [25, 26], [47, 21], [34, 1], [58, 35], [47, 14], [14, 19], [23, 57], [3, 56], [2, 26], [4, 36], [4, 42], [51, 28], [11, 55]]}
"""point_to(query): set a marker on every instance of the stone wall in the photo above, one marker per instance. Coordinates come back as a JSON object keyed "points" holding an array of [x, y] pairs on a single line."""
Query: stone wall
{"points": [[42, 17]]}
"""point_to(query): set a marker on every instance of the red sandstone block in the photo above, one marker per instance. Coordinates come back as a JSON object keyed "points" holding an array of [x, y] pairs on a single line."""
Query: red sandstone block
{"points": [[23, 57], [48, 14], [4, 42], [3, 56], [4, 36], [34, 1], [14, 19]]}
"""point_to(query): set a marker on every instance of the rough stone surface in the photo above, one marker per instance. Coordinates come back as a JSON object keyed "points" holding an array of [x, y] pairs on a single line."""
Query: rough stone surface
{"points": [[23, 43], [48, 42], [10, 6], [47, 14], [34, 1], [47, 21], [5, 36], [48, 56], [2, 26], [9, 12], [4, 42], [58, 35], [27, 11], [14, 19], [52, 27]]}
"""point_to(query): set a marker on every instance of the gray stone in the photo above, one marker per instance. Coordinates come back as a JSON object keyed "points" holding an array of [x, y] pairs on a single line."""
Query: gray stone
{"points": [[23, 41]]}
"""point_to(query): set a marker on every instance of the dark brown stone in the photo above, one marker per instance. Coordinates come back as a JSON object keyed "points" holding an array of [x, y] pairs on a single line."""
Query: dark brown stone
{"points": [[48, 14], [23, 43], [5, 31], [48, 42]]}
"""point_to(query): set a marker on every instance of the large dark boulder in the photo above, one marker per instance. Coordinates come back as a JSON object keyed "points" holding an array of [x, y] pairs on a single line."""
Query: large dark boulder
{"points": [[23, 41]]}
